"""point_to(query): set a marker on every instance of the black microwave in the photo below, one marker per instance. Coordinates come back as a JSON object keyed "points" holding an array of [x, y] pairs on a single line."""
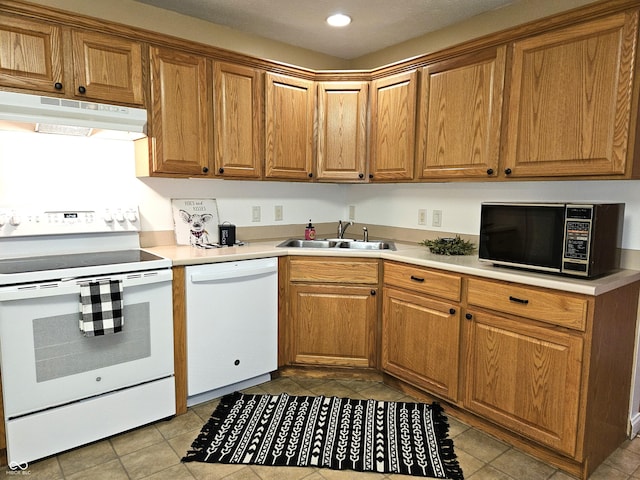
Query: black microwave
{"points": [[577, 239]]}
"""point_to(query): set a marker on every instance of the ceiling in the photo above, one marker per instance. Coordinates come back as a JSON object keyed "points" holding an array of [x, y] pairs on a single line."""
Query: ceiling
{"points": [[377, 24]]}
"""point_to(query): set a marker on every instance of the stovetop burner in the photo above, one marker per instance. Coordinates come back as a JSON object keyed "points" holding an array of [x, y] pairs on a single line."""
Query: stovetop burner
{"points": [[74, 260]]}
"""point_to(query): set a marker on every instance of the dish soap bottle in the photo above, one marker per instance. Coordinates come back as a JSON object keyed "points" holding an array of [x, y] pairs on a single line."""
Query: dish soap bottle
{"points": [[310, 232]]}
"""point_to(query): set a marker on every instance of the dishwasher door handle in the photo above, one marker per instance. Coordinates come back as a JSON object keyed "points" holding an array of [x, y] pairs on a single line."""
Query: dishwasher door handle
{"points": [[229, 274]]}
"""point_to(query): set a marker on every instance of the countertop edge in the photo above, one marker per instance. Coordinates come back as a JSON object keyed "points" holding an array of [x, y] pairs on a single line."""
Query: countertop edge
{"points": [[181, 255]]}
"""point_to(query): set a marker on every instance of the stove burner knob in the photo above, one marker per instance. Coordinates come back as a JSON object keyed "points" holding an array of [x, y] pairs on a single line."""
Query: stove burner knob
{"points": [[120, 217], [107, 218], [131, 216], [15, 220]]}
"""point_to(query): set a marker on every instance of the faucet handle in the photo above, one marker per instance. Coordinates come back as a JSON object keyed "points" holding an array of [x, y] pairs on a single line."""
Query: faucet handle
{"points": [[365, 234]]}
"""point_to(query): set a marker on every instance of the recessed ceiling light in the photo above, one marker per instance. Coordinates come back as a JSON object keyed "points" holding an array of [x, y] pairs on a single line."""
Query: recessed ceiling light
{"points": [[339, 20]]}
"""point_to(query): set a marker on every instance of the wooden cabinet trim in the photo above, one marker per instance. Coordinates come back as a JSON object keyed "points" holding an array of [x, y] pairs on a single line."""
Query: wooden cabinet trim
{"points": [[422, 280], [351, 271], [556, 308]]}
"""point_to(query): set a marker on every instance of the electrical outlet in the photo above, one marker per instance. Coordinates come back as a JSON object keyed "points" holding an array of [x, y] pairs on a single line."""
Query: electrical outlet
{"points": [[277, 213], [422, 217], [255, 214], [436, 221], [352, 212]]}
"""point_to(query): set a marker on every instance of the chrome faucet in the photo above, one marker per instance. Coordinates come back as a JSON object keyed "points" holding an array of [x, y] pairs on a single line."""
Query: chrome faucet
{"points": [[365, 234], [342, 229]]}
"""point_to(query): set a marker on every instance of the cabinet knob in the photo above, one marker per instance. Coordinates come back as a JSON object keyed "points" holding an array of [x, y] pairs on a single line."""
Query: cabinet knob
{"points": [[452, 311], [371, 175], [221, 170], [57, 86], [205, 169], [507, 171], [310, 175], [361, 175], [373, 293], [82, 89], [468, 316], [489, 171], [236, 363]]}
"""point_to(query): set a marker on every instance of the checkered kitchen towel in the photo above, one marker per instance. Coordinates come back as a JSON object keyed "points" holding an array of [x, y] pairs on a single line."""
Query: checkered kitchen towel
{"points": [[101, 307]]}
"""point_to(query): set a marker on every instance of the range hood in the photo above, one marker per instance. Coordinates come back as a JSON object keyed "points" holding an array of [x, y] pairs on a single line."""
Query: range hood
{"points": [[24, 112]]}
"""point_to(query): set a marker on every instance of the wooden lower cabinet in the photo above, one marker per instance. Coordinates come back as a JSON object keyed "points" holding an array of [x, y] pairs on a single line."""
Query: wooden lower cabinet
{"points": [[420, 341], [525, 377], [333, 325], [329, 312]]}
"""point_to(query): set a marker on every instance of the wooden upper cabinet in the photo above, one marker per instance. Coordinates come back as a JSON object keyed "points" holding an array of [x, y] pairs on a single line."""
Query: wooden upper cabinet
{"points": [[181, 113], [460, 112], [100, 67], [107, 68], [393, 122], [290, 108], [238, 121], [569, 109], [342, 131], [31, 55]]}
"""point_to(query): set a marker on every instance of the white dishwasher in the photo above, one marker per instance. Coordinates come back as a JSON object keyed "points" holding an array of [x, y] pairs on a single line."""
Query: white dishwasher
{"points": [[232, 326]]}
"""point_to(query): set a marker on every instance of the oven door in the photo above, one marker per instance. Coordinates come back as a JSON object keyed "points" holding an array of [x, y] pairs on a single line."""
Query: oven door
{"points": [[46, 361]]}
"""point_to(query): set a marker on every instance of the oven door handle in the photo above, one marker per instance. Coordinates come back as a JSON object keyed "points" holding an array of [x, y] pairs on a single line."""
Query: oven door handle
{"points": [[71, 286]]}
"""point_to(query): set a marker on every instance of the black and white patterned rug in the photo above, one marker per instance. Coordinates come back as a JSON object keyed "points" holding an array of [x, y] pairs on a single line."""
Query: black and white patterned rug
{"points": [[330, 432]]}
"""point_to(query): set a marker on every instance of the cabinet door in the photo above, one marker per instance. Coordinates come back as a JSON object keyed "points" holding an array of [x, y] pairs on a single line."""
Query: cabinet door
{"points": [[393, 127], [570, 100], [342, 130], [30, 55], [420, 341], [238, 121], [180, 113], [460, 116], [333, 325], [107, 68], [525, 377], [290, 107]]}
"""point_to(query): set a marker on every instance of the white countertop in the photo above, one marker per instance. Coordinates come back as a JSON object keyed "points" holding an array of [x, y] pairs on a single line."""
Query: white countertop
{"points": [[408, 253]]}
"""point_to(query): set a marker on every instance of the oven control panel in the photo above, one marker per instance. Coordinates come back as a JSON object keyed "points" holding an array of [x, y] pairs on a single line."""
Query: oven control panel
{"points": [[29, 221]]}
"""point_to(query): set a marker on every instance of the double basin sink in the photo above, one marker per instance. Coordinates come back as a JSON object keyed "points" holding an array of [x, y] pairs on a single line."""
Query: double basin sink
{"points": [[338, 243]]}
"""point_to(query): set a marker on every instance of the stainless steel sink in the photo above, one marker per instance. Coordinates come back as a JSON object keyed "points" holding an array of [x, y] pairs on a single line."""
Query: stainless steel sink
{"points": [[297, 243], [375, 245], [350, 244]]}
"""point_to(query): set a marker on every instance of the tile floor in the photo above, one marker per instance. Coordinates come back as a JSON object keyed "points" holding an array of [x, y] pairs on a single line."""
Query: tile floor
{"points": [[154, 452]]}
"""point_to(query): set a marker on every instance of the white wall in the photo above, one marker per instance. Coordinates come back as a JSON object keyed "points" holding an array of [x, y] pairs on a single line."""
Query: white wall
{"points": [[460, 202], [39, 170], [67, 172]]}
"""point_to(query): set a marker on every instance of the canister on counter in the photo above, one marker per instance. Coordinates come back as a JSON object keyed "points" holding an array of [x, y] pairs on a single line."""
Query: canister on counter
{"points": [[227, 234]]}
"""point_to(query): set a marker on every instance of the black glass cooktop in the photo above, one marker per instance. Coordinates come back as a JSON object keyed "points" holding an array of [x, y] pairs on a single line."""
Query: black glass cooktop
{"points": [[74, 260]]}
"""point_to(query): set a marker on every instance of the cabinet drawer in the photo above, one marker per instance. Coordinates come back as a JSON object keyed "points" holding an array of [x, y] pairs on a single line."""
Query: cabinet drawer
{"points": [[554, 308], [423, 280], [321, 269]]}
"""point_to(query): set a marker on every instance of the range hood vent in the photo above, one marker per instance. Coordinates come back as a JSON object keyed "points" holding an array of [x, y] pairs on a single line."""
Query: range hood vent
{"points": [[23, 112]]}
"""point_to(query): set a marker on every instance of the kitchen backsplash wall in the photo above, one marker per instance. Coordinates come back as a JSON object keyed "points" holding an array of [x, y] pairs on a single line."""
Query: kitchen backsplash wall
{"points": [[63, 172]]}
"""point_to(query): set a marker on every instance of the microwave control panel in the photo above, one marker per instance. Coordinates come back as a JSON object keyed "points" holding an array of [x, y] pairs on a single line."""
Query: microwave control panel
{"points": [[577, 237]]}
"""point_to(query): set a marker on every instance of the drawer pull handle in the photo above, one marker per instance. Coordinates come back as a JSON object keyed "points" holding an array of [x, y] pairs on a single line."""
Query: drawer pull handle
{"points": [[417, 279], [518, 300]]}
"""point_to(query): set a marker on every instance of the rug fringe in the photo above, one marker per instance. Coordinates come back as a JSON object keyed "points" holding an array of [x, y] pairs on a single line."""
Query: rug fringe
{"points": [[200, 443], [449, 457]]}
